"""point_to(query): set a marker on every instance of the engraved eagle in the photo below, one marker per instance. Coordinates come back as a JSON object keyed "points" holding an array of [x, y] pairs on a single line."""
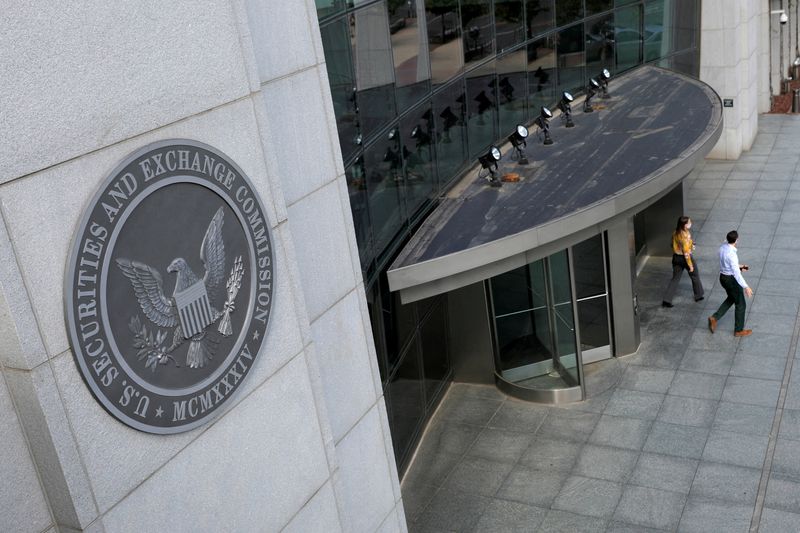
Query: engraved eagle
{"points": [[194, 303]]}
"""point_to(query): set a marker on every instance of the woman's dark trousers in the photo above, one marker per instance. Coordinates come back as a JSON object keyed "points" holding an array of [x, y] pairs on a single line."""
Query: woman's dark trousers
{"points": [[678, 266]]}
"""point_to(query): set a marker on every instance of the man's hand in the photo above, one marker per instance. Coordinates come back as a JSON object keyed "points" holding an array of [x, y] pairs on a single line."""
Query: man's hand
{"points": [[749, 292]]}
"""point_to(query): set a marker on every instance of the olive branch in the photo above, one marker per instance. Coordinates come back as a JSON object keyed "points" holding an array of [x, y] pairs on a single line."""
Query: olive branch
{"points": [[233, 285], [149, 347]]}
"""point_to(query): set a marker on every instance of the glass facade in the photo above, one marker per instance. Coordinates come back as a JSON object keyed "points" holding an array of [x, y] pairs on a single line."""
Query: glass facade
{"points": [[421, 87]]}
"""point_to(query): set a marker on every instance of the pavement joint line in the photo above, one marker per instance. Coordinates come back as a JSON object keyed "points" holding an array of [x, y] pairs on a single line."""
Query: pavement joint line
{"points": [[773, 434]]}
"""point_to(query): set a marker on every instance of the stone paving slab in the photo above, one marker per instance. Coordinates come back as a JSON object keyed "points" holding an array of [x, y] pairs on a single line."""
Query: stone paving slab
{"points": [[695, 437]]}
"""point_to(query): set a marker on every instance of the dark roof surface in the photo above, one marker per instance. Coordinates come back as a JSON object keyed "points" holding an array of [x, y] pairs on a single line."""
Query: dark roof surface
{"points": [[651, 119]]}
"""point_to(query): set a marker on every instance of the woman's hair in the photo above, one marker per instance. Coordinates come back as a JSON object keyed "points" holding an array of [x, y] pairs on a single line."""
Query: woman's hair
{"points": [[682, 221]]}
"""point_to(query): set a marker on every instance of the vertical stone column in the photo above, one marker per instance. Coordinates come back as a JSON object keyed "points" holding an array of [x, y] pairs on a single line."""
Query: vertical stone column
{"points": [[729, 53], [622, 265]]}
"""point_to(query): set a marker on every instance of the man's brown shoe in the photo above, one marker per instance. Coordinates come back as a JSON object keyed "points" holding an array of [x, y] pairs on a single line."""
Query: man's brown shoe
{"points": [[743, 333], [712, 324]]}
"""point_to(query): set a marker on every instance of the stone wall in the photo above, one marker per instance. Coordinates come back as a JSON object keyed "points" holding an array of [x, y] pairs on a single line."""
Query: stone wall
{"points": [[305, 444], [730, 55]]}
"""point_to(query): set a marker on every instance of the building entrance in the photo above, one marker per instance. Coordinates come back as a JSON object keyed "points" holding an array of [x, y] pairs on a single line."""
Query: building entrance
{"points": [[535, 309]]}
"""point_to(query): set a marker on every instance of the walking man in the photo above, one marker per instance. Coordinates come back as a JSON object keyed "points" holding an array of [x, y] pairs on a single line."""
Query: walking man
{"points": [[730, 277]]}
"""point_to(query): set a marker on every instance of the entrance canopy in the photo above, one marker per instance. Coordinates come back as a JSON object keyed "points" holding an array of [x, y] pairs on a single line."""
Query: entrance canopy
{"points": [[631, 150]]}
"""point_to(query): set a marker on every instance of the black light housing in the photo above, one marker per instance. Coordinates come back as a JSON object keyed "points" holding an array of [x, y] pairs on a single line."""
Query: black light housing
{"points": [[420, 136], [565, 105], [543, 122], [489, 162], [603, 78], [591, 90], [517, 140]]}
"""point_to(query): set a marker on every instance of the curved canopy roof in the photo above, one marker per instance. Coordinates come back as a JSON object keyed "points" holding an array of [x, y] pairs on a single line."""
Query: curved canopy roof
{"points": [[633, 149]]}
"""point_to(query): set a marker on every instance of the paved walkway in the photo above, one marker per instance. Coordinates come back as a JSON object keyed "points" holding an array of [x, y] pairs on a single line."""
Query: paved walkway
{"points": [[701, 433]]}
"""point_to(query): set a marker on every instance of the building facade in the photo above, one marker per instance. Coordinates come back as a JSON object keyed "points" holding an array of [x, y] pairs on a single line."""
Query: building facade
{"points": [[353, 120]]}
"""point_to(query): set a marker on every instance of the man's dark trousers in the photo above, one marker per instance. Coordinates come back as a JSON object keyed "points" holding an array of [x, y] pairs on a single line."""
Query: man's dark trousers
{"points": [[735, 296]]}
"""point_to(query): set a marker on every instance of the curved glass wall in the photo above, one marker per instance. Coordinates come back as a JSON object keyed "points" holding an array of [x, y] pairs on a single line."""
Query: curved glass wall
{"points": [[421, 87]]}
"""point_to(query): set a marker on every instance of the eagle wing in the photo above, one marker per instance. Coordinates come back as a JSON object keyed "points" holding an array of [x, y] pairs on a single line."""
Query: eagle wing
{"points": [[212, 252], [147, 283]]}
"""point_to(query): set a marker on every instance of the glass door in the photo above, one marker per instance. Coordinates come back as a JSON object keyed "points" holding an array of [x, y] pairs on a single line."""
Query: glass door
{"points": [[534, 324], [591, 297]]}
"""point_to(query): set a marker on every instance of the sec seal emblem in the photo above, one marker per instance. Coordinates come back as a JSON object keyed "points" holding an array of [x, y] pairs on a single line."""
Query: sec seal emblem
{"points": [[169, 286]]}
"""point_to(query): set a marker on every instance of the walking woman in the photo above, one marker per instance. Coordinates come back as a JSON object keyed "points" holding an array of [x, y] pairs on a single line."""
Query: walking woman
{"points": [[682, 247]]}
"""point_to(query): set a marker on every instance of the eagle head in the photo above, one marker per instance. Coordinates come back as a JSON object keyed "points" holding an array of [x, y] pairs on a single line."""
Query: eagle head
{"points": [[177, 265]]}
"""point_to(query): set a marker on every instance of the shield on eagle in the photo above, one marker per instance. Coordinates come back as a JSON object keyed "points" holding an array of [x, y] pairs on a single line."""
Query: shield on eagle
{"points": [[194, 309]]}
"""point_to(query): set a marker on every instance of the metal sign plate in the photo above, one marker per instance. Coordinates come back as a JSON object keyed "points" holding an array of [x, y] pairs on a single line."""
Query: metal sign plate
{"points": [[169, 286]]}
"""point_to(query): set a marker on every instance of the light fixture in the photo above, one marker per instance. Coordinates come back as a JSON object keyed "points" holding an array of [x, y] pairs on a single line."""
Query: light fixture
{"points": [[603, 78], [517, 140], [784, 18], [565, 105], [591, 90], [420, 136], [543, 122], [489, 161]]}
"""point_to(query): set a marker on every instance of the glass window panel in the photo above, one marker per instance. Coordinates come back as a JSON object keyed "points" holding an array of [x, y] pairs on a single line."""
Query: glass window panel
{"points": [[598, 6], [410, 50], [336, 43], [511, 292], [657, 42], [541, 75], [416, 133], [599, 45], [449, 113], [326, 8], [509, 22], [559, 278], [376, 321], [406, 402], [383, 169], [399, 322], [374, 67], [477, 29], [571, 59], [618, 3], [511, 82], [523, 339], [540, 15], [568, 11], [357, 190], [593, 318], [435, 361], [444, 40], [628, 38], [590, 267], [481, 108]]}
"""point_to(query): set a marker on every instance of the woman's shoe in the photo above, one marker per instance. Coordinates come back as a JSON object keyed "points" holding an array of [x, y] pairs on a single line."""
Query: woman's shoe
{"points": [[666, 304]]}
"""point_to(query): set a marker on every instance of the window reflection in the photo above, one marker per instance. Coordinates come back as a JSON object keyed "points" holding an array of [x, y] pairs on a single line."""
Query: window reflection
{"points": [[481, 107], [541, 16], [444, 40], [571, 59], [477, 29], [598, 6], [357, 190], [328, 7], [599, 45], [406, 404], [568, 11], [541, 75], [509, 23], [416, 131], [628, 38], [434, 339], [336, 43], [449, 113], [373, 62], [409, 36], [385, 192], [511, 95]]}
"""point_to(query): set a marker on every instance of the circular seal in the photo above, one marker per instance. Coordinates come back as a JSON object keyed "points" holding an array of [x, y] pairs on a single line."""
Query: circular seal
{"points": [[169, 286]]}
